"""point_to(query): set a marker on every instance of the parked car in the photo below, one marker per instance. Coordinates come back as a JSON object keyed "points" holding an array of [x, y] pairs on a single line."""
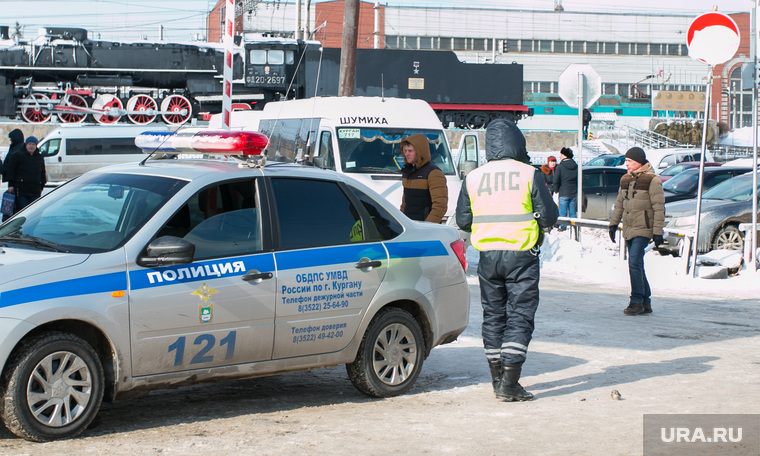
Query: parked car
{"points": [[671, 171], [685, 184], [664, 158], [600, 189], [607, 160], [136, 277], [723, 208]]}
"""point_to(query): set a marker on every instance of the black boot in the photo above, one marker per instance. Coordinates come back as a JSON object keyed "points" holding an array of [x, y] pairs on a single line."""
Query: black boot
{"points": [[495, 367], [509, 389]]}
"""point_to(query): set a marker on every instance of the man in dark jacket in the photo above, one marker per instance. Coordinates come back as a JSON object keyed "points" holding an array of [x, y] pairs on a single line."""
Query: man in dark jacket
{"points": [[426, 195], [506, 206], [25, 173], [566, 184]]}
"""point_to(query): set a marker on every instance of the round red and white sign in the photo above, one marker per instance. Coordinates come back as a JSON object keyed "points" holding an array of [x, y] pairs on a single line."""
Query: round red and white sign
{"points": [[713, 38]]}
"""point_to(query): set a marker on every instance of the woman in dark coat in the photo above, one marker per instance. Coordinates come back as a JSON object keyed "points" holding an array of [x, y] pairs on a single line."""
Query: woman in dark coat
{"points": [[548, 170]]}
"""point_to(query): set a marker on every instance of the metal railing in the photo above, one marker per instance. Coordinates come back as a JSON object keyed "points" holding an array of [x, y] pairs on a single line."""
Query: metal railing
{"points": [[577, 223]]}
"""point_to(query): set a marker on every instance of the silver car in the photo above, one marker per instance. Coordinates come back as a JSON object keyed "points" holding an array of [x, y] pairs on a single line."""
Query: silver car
{"points": [[143, 276]]}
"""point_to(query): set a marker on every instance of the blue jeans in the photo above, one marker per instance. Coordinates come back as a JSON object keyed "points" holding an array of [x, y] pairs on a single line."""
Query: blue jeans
{"points": [[640, 291], [567, 207]]}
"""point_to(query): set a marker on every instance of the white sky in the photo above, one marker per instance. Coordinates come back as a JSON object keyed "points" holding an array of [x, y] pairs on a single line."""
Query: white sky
{"points": [[184, 19]]}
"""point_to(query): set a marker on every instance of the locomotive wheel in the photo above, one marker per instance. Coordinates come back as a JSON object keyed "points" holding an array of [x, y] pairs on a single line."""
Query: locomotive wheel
{"points": [[71, 105], [105, 102], [36, 108], [146, 106], [179, 109]]}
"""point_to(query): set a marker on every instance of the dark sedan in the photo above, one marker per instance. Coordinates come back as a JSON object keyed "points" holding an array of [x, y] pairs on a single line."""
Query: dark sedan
{"points": [[684, 185], [600, 189], [724, 207], [607, 160]]}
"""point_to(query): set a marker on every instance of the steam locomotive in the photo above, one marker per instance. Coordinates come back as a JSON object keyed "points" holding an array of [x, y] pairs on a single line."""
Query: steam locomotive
{"points": [[63, 73]]}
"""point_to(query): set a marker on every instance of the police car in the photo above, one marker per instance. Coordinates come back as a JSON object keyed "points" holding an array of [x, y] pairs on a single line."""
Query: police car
{"points": [[171, 272]]}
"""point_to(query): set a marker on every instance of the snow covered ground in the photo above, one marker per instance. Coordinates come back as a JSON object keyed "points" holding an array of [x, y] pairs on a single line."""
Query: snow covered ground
{"points": [[596, 261]]}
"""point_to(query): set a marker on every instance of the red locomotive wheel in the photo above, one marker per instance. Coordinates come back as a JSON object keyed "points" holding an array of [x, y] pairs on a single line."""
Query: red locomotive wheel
{"points": [[70, 109], [36, 108], [108, 104], [141, 109], [177, 109]]}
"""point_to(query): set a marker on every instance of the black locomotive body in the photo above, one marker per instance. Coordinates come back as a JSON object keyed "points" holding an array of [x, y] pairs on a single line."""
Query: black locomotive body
{"points": [[62, 73]]}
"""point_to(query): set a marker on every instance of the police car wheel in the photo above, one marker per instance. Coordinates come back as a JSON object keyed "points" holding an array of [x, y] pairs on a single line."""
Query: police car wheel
{"points": [[390, 355], [53, 387]]}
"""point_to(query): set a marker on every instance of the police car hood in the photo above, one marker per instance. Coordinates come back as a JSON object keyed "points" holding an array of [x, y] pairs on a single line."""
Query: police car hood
{"points": [[19, 263], [504, 140]]}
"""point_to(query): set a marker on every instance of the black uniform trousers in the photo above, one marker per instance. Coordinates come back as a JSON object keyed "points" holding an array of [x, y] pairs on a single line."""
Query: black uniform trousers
{"points": [[509, 295]]}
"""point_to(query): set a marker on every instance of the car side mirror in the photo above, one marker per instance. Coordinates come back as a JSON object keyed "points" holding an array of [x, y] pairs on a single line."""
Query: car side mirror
{"points": [[167, 251]]}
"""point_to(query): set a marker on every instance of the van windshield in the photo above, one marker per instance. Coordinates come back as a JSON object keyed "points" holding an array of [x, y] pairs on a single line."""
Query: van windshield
{"points": [[374, 150]]}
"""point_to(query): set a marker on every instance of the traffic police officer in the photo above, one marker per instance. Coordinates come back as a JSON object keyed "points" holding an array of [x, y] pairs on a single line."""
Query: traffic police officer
{"points": [[506, 206]]}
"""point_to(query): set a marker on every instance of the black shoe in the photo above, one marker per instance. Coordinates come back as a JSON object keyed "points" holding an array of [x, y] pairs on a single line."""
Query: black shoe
{"points": [[634, 309], [510, 389], [647, 308], [561, 229], [513, 393]]}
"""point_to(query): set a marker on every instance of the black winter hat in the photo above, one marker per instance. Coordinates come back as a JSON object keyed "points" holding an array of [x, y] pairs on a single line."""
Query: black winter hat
{"points": [[636, 154], [567, 152]]}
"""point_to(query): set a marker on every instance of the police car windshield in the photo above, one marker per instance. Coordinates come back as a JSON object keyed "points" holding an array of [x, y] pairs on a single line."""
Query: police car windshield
{"points": [[373, 150], [94, 213]]}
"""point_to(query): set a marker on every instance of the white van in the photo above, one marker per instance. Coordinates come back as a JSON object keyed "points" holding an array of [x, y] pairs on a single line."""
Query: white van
{"points": [[72, 150], [358, 136]]}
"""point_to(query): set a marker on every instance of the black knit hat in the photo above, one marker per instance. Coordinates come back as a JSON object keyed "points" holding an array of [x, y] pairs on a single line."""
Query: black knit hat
{"points": [[636, 154], [567, 152]]}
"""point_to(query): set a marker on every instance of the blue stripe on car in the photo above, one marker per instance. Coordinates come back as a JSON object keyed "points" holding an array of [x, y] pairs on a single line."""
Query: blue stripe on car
{"points": [[286, 260]]}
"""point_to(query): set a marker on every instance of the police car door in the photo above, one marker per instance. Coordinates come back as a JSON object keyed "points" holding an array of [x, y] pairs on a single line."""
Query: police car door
{"points": [[219, 309], [328, 266]]}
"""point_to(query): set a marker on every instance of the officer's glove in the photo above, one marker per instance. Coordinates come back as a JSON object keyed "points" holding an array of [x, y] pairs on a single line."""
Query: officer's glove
{"points": [[658, 241], [613, 230]]}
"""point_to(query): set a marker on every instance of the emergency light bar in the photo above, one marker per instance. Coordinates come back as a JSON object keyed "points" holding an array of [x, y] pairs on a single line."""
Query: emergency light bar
{"points": [[212, 142]]}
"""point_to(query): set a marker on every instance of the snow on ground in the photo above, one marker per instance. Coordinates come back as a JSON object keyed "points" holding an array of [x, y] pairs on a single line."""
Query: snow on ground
{"points": [[596, 261]]}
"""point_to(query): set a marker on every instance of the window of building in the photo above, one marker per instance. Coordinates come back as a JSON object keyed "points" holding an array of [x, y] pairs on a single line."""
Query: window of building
{"points": [[577, 47], [609, 48], [460, 44], [426, 42], [559, 46], [446, 43], [391, 42], [592, 47], [674, 49], [479, 44], [526, 45], [642, 48], [545, 46], [511, 45], [624, 48]]}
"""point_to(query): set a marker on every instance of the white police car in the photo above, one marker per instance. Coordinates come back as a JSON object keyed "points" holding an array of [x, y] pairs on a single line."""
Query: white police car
{"points": [[170, 272]]}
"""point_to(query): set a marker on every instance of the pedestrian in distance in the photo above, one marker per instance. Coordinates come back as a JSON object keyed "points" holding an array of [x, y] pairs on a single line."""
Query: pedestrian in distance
{"points": [[586, 122], [505, 205], [25, 173], [426, 195], [548, 170], [640, 205], [566, 185]]}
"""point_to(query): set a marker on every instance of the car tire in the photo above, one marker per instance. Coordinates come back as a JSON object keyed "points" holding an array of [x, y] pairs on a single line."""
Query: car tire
{"points": [[729, 237], [53, 387], [390, 356]]}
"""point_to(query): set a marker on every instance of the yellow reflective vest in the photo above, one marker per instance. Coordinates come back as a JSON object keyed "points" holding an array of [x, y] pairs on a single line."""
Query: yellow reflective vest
{"points": [[502, 210]]}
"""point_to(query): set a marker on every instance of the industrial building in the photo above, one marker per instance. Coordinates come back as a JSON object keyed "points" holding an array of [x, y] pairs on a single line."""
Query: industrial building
{"points": [[635, 55]]}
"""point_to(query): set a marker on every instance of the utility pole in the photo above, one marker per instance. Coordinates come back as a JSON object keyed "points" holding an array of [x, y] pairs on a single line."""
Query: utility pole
{"points": [[348, 48]]}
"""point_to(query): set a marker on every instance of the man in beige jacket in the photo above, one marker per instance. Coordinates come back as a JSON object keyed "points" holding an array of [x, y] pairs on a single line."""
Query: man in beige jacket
{"points": [[640, 205]]}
